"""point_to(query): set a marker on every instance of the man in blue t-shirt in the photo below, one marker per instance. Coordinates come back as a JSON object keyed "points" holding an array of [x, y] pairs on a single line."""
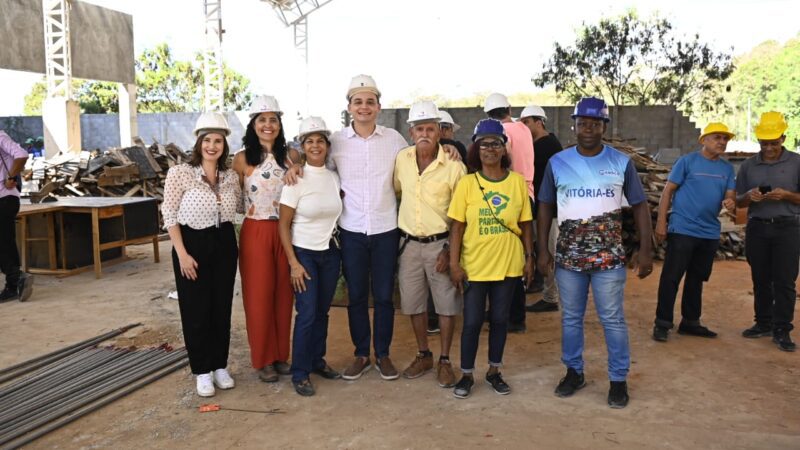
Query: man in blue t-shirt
{"points": [[700, 184], [588, 182]]}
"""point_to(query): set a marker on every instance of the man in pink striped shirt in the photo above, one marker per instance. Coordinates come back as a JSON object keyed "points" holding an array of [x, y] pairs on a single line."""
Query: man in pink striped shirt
{"points": [[12, 161], [520, 150]]}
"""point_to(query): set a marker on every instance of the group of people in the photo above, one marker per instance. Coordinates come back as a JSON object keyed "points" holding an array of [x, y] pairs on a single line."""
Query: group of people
{"points": [[456, 226]]}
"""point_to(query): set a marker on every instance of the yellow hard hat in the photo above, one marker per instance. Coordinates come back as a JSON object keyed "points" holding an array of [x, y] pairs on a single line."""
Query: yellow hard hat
{"points": [[772, 126], [715, 127]]}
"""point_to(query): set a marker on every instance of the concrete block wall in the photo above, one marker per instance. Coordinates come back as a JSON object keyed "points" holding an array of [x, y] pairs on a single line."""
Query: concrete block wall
{"points": [[101, 131], [651, 127]]}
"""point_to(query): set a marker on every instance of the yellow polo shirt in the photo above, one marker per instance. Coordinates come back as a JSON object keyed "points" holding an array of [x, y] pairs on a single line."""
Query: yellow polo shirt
{"points": [[424, 198]]}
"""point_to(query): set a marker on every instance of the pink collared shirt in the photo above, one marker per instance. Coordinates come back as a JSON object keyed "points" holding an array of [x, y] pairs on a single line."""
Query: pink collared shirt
{"points": [[9, 151], [520, 150], [366, 171]]}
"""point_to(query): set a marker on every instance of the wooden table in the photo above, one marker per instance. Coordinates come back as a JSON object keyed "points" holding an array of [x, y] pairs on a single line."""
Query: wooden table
{"points": [[76, 234]]}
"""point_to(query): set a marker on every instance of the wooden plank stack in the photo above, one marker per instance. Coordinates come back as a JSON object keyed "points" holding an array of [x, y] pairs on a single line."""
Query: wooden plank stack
{"points": [[654, 178], [136, 171]]}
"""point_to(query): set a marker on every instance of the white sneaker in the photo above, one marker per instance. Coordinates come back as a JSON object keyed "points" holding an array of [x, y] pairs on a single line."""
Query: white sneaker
{"points": [[205, 385], [223, 379]]}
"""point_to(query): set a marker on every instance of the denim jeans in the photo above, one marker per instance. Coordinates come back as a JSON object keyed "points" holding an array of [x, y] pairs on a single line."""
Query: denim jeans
{"points": [[370, 261], [312, 305], [500, 297], [693, 257], [772, 251], [608, 288]]}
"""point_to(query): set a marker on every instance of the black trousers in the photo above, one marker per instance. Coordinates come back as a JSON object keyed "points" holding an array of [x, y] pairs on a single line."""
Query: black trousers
{"points": [[773, 250], [205, 303], [693, 257], [9, 254]]}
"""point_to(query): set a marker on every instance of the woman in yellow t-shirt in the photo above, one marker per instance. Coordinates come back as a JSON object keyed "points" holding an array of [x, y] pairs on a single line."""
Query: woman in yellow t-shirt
{"points": [[491, 248]]}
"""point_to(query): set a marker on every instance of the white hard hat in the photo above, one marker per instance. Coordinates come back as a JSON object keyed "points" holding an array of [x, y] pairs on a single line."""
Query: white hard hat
{"points": [[264, 103], [494, 101], [362, 83], [310, 125], [533, 111], [447, 118], [423, 111], [211, 122]]}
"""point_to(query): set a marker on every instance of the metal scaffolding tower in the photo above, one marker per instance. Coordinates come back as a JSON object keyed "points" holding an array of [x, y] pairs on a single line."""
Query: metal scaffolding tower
{"points": [[212, 58], [57, 48]]}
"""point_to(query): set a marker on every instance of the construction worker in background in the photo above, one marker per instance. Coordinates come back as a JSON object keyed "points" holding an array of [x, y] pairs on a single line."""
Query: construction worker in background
{"points": [[520, 151], [449, 128], [425, 179], [545, 145], [768, 184], [699, 185], [363, 153], [588, 182], [12, 160]]}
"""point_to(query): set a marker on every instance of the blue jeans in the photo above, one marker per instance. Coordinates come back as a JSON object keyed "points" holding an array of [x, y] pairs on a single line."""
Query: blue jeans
{"points": [[608, 289], [311, 322], [370, 261], [500, 298]]}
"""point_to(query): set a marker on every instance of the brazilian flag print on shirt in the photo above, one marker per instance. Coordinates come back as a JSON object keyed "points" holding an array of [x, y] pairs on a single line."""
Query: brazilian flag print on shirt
{"points": [[489, 251], [589, 191]]}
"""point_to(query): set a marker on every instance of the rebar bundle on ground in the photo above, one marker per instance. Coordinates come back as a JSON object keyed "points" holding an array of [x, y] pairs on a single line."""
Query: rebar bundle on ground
{"points": [[65, 385]]}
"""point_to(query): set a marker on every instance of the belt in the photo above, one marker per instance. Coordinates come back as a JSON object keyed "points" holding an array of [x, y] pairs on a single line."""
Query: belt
{"points": [[779, 219], [425, 239]]}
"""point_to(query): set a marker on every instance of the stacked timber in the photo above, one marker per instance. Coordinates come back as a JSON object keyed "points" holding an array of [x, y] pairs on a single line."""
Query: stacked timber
{"points": [[653, 176]]}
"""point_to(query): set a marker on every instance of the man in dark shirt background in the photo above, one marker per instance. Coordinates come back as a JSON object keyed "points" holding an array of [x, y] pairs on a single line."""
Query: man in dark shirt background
{"points": [[449, 128], [545, 145]]}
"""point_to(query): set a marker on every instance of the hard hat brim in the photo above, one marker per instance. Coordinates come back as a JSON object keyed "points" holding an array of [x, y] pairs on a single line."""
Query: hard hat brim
{"points": [[223, 131], [726, 133]]}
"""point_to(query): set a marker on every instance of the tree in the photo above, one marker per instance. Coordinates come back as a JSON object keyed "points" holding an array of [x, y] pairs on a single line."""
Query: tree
{"points": [[167, 85], [164, 85], [94, 97], [628, 60], [768, 78]]}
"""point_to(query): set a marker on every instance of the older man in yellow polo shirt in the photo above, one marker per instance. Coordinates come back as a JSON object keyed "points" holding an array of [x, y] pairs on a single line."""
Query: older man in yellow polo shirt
{"points": [[425, 179]]}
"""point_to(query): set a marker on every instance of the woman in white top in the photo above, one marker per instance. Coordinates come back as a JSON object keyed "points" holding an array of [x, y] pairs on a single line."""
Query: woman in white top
{"points": [[308, 216], [266, 290], [200, 201]]}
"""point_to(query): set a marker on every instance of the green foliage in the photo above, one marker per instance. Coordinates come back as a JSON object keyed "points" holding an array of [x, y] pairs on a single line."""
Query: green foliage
{"points": [[164, 84], [94, 97], [167, 85], [768, 76], [629, 60]]}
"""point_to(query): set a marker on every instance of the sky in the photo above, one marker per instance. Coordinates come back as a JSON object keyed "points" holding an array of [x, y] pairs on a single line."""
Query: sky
{"points": [[455, 48]]}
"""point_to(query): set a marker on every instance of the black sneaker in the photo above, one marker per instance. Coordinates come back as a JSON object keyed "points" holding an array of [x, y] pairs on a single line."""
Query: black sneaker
{"points": [[433, 327], [25, 287], [542, 306], [327, 372], [8, 294], [304, 387], [618, 395], [516, 328], [784, 341], [660, 333], [571, 382], [757, 331], [496, 381], [695, 330], [463, 387]]}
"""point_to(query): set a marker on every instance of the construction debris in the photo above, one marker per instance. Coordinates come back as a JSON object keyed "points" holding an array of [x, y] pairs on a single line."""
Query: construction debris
{"points": [[137, 171], [654, 178]]}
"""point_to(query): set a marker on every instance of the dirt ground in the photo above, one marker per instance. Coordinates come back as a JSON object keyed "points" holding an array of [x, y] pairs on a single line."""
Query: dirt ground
{"points": [[725, 393]]}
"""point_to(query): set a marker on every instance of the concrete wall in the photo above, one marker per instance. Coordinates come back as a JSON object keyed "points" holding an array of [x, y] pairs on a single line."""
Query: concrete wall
{"points": [[101, 40], [101, 131], [651, 127]]}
